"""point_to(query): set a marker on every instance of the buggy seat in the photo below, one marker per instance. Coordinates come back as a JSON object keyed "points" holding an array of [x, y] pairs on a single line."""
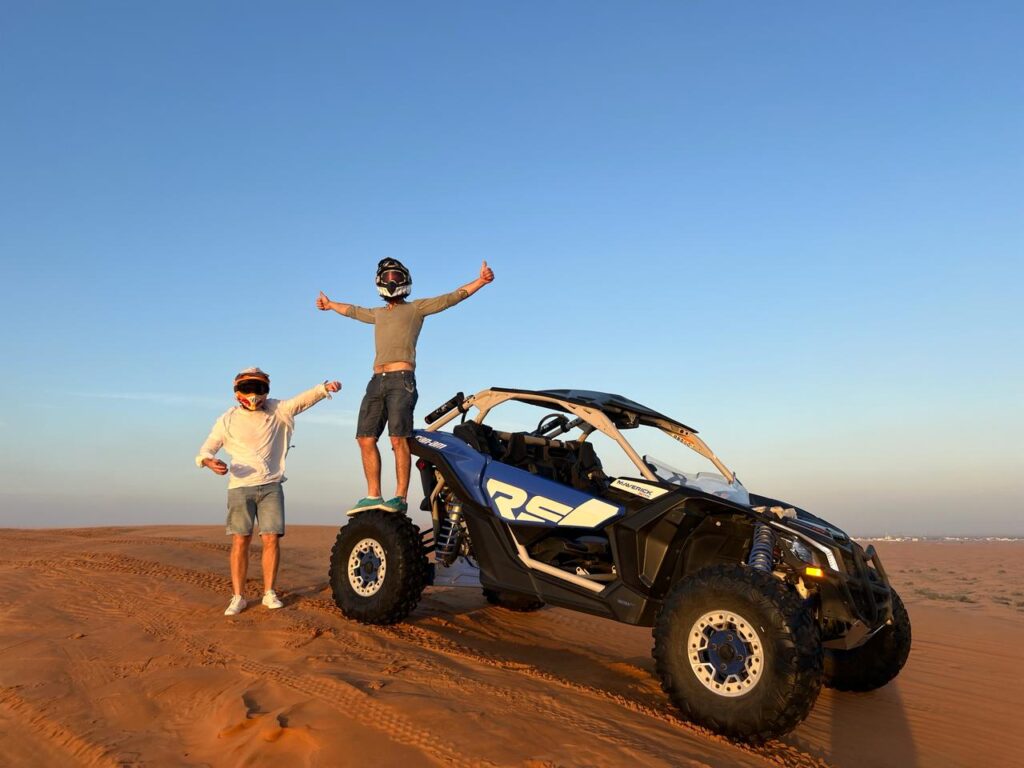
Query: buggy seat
{"points": [[571, 462]]}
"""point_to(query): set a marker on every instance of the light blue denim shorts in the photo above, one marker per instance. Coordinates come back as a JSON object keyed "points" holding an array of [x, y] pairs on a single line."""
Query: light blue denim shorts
{"points": [[264, 503]]}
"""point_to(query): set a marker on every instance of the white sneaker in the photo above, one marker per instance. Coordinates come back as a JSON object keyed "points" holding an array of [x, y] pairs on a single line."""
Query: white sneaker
{"points": [[271, 600], [236, 606]]}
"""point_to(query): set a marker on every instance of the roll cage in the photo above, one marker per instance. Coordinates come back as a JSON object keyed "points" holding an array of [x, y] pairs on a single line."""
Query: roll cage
{"points": [[600, 411]]}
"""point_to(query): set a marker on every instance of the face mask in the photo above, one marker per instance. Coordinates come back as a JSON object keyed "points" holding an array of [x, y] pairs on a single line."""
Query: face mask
{"points": [[251, 402]]}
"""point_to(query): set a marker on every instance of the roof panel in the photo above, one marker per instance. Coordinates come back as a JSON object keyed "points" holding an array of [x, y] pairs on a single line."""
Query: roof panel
{"points": [[615, 406]]}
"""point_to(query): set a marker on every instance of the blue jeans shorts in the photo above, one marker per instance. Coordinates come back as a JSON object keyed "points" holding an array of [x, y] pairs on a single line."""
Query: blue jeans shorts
{"points": [[390, 397], [258, 502]]}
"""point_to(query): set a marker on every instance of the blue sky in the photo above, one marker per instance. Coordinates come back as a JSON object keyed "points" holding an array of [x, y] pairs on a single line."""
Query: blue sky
{"points": [[797, 228]]}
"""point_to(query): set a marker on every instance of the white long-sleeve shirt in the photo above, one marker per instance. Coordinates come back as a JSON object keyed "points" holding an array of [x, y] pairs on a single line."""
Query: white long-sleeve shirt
{"points": [[258, 441]]}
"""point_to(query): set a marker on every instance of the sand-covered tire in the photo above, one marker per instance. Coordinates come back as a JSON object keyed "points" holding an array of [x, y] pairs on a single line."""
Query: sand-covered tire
{"points": [[875, 663], [738, 652], [513, 601], [378, 567]]}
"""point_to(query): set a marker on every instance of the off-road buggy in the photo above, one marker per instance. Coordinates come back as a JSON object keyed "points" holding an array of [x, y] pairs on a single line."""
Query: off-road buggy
{"points": [[754, 603]]}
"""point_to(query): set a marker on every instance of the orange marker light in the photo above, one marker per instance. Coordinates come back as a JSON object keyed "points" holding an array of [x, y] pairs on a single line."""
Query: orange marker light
{"points": [[811, 570]]}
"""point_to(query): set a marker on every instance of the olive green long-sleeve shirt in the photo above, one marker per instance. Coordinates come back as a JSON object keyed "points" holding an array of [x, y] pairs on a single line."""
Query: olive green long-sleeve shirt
{"points": [[397, 326]]}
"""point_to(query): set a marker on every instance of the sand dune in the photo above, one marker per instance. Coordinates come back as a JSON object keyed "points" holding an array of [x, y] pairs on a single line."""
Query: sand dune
{"points": [[114, 652]]}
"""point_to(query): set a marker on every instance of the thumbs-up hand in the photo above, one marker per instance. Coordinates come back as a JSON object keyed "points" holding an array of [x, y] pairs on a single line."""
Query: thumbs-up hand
{"points": [[486, 273], [322, 302]]}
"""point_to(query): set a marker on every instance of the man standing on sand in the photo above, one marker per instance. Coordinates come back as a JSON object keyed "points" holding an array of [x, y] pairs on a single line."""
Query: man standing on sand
{"points": [[391, 394], [257, 434]]}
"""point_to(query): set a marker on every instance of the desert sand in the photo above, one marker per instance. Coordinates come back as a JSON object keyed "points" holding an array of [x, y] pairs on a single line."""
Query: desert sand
{"points": [[114, 651]]}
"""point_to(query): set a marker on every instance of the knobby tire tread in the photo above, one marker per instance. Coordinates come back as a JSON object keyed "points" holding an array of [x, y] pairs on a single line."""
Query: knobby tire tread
{"points": [[876, 662], [794, 626], [407, 565]]}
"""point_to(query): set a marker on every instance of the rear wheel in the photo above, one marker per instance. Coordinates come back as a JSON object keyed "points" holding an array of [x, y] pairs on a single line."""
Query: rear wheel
{"points": [[875, 663], [378, 567], [513, 601], [737, 652]]}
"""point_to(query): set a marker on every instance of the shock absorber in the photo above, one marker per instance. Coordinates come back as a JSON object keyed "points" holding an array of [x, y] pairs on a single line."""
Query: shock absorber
{"points": [[447, 546], [762, 549]]}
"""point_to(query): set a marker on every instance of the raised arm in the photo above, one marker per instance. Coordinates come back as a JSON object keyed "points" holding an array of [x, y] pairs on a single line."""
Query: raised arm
{"points": [[309, 398], [348, 310], [447, 300], [486, 276]]}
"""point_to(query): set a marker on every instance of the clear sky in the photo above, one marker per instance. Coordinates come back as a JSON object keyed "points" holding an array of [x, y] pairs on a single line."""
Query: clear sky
{"points": [[797, 227]]}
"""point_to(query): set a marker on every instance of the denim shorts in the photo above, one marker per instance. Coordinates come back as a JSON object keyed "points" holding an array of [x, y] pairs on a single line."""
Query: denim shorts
{"points": [[258, 502], [390, 397]]}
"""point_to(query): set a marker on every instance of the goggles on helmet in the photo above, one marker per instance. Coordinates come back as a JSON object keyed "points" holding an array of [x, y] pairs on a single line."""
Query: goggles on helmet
{"points": [[393, 276], [252, 387]]}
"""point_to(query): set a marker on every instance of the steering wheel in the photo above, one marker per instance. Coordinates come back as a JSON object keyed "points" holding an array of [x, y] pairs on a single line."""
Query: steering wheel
{"points": [[548, 422]]}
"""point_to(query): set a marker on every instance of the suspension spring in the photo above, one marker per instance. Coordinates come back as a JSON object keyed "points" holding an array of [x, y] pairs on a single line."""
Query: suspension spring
{"points": [[761, 551], [447, 546]]}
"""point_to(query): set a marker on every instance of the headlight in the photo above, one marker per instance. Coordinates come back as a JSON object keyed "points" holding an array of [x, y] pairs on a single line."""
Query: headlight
{"points": [[808, 551], [801, 550]]}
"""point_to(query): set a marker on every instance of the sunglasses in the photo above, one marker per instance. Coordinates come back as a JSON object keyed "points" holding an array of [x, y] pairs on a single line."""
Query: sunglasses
{"points": [[392, 276]]}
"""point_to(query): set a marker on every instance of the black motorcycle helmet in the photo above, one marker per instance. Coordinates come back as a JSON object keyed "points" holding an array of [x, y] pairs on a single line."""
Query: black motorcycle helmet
{"points": [[393, 279]]}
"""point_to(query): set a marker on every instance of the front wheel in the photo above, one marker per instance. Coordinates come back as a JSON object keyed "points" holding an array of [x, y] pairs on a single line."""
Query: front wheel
{"points": [[875, 663], [737, 652], [378, 567]]}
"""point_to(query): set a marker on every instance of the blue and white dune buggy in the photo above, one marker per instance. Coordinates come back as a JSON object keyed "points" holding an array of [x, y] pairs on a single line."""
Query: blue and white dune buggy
{"points": [[754, 603]]}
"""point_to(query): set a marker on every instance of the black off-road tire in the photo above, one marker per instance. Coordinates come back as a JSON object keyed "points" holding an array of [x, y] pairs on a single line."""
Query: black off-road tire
{"points": [[513, 601], [387, 538], [784, 644], [875, 663]]}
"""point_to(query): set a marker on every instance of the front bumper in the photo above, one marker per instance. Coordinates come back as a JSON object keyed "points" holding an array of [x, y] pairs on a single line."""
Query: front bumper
{"points": [[858, 596]]}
